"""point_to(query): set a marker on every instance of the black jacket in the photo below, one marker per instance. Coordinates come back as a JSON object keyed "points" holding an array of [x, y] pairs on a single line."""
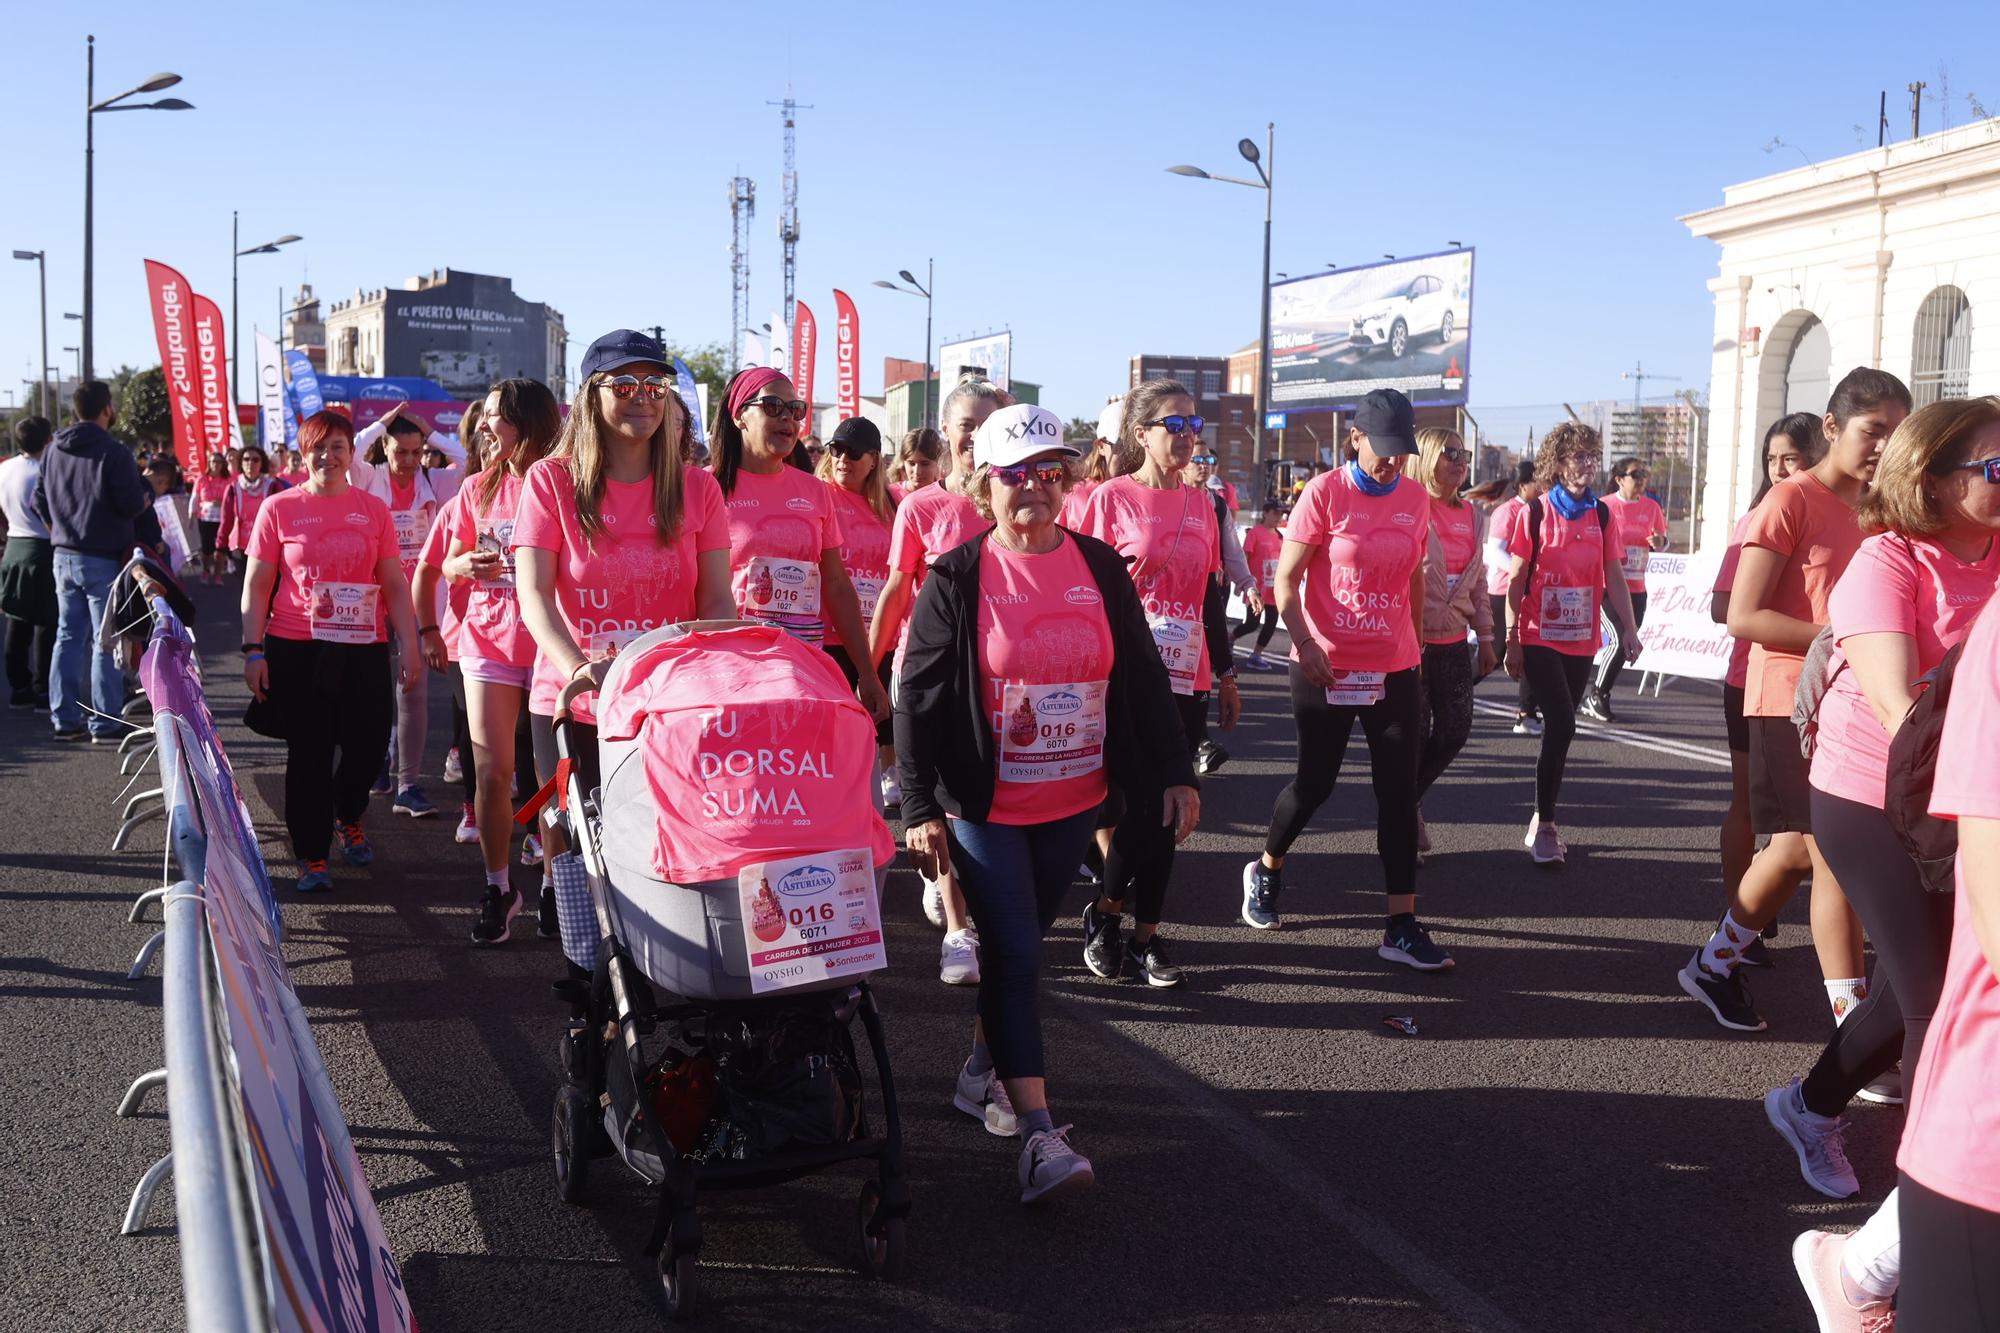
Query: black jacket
{"points": [[91, 492], [944, 734]]}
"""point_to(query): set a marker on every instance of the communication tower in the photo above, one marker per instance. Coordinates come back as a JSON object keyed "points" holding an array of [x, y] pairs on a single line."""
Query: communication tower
{"points": [[788, 221], [742, 207]]}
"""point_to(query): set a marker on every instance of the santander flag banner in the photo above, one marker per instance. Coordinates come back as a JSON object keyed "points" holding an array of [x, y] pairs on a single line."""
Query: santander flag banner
{"points": [[173, 321], [846, 356], [805, 349], [270, 392], [217, 424]]}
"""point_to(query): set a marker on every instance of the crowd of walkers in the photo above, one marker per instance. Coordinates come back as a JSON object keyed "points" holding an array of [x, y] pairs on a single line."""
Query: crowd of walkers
{"points": [[990, 567]]}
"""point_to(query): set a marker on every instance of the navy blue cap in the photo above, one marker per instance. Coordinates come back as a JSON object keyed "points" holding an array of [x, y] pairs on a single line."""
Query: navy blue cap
{"points": [[1390, 423], [859, 433], [622, 347]]}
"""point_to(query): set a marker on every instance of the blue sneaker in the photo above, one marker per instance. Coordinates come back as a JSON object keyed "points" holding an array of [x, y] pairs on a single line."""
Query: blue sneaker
{"points": [[411, 801], [1260, 895], [313, 877], [354, 848], [383, 784]]}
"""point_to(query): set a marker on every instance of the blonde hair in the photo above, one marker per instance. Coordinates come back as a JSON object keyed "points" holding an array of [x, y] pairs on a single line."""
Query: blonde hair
{"points": [[874, 488], [1566, 441], [1928, 444], [582, 445], [1421, 466]]}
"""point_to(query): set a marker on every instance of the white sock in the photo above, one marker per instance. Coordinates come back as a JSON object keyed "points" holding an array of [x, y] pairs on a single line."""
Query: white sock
{"points": [[1872, 1259], [1843, 993], [496, 879], [1724, 950]]}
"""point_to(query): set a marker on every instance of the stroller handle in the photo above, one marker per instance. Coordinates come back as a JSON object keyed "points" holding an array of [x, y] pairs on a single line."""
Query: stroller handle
{"points": [[578, 685]]}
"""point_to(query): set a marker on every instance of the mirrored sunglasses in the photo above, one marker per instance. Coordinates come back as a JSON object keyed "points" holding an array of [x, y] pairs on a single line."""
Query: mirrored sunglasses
{"points": [[1178, 424], [1049, 472], [624, 386]]}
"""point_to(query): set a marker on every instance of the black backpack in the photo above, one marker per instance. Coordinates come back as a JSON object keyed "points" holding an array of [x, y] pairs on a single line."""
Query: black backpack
{"points": [[1906, 799], [1535, 534]]}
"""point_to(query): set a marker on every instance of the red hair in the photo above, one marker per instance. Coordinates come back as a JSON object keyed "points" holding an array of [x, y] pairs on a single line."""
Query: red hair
{"points": [[314, 430]]}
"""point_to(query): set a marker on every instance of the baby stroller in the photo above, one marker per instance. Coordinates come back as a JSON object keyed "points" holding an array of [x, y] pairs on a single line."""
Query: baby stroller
{"points": [[734, 861]]}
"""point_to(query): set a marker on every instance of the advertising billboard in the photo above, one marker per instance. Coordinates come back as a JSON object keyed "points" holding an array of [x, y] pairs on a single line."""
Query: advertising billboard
{"points": [[991, 355], [1401, 324], [465, 333]]}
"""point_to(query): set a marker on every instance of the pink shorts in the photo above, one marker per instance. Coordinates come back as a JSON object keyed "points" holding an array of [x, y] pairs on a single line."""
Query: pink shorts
{"points": [[495, 673]]}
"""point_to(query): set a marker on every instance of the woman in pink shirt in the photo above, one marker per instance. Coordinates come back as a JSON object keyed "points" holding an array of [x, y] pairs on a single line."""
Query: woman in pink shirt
{"points": [[920, 460], [211, 489], [323, 588], [253, 485], [496, 653], [1638, 528], [1507, 500], [1261, 545], [852, 468]]}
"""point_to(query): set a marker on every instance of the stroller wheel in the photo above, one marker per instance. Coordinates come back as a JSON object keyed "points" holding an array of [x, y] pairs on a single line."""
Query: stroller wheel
{"points": [[677, 1284], [882, 1247], [569, 1137]]}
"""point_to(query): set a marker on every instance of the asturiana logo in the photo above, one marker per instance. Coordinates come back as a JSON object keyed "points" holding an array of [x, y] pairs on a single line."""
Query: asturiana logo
{"points": [[1060, 704], [1170, 631], [806, 882], [1405, 518], [1083, 596], [801, 504], [792, 576]]}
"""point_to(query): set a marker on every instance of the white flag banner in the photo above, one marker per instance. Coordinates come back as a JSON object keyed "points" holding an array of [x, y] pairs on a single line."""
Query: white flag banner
{"points": [[781, 345], [753, 350], [270, 392]]}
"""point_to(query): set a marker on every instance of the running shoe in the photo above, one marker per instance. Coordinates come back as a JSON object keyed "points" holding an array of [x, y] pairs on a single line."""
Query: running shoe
{"points": [[1816, 1258], [547, 925], [1208, 757], [1756, 955], [984, 1098], [531, 850], [354, 848], [1596, 706], [383, 784], [313, 877], [1885, 1090], [933, 900], [1411, 945], [1545, 844], [1103, 952], [1527, 724], [411, 801], [892, 792], [1259, 662], [106, 737], [497, 909], [452, 771], [75, 733], [1260, 894], [1050, 1168], [958, 958], [468, 824], [1149, 963], [1727, 998], [1820, 1141]]}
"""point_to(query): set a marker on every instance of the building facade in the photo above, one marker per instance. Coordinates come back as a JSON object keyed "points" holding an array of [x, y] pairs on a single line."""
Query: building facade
{"points": [[1881, 258], [463, 330], [1230, 432]]}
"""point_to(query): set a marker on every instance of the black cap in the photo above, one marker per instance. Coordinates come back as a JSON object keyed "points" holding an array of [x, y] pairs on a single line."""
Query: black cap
{"points": [[857, 433], [1389, 422], [622, 347]]}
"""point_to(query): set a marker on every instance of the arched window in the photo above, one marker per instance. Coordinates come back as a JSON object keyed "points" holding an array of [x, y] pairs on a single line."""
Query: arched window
{"points": [[1941, 354], [1808, 373]]}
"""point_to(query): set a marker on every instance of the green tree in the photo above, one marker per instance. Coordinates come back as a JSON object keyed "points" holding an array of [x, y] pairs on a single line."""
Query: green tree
{"points": [[1079, 431], [709, 363], [144, 414]]}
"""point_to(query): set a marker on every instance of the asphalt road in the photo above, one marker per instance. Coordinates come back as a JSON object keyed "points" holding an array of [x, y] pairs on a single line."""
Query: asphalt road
{"points": [[1567, 1144]]}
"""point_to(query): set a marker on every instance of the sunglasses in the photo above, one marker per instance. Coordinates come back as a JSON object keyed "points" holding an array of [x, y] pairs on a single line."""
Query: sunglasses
{"points": [[849, 449], [1988, 466], [1455, 455], [1636, 476], [1202, 458], [1179, 425], [775, 406], [1049, 472], [624, 386]]}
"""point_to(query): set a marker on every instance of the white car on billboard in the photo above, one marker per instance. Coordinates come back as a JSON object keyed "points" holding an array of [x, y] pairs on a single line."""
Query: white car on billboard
{"points": [[1422, 307]]}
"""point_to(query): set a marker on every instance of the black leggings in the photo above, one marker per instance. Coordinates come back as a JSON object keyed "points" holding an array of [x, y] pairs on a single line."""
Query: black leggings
{"points": [[328, 697], [1447, 715], [1607, 675], [1523, 695], [1557, 682], [1142, 848], [1392, 725], [1250, 622], [1951, 1263], [1911, 931]]}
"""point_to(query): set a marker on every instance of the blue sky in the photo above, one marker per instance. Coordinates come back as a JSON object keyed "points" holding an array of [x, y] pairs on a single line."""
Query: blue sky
{"points": [[585, 151]]}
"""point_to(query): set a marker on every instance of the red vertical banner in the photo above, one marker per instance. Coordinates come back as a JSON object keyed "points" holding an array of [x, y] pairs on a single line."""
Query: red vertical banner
{"points": [[211, 378], [846, 356], [173, 328], [805, 347]]}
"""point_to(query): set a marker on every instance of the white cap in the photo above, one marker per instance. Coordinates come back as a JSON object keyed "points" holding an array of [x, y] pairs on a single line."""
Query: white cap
{"points": [[1111, 420], [1016, 433]]}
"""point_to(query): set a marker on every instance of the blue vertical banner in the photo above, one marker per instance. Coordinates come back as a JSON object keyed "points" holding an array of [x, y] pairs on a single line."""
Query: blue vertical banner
{"points": [[305, 382], [690, 391]]}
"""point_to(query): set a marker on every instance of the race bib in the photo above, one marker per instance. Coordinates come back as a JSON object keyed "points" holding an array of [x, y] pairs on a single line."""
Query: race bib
{"points": [[1452, 578], [210, 511], [497, 535], [868, 587], [1271, 573], [1567, 614], [1051, 732], [1179, 643], [1356, 689], [1635, 561], [777, 587], [344, 612], [412, 526], [810, 918]]}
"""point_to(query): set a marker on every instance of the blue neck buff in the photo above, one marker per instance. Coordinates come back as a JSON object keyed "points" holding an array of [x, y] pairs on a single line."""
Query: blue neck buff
{"points": [[1571, 506], [1367, 484]]}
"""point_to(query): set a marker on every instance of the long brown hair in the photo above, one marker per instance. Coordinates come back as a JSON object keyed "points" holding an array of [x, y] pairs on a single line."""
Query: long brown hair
{"points": [[529, 407], [874, 489], [1141, 402], [583, 446], [1928, 444]]}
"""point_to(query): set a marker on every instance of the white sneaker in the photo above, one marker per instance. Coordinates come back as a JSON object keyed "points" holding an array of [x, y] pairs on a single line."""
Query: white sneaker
{"points": [[1050, 1168], [984, 1097], [1544, 844], [468, 825], [958, 959], [531, 850], [452, 771], [1527, 726], [933, 900], [891, 789], [1820, 1142]]}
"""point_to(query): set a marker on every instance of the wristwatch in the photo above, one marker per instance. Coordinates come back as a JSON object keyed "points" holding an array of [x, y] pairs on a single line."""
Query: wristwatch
{"points": [[256, 647]]}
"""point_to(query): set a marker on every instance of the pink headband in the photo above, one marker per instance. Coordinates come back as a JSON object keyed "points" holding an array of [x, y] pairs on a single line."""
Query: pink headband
{"points": [[749, 384]]}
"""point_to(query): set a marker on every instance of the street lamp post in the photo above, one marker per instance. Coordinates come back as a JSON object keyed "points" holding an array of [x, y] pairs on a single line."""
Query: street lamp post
{"points": [[1264, 163], [42, 265], [922, 289], [79, 364], [91, 107], [235, 327]]}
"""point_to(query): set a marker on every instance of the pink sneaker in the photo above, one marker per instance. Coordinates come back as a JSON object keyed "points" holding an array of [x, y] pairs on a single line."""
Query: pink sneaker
{"points": [[468, 824], [1816, 1256]]}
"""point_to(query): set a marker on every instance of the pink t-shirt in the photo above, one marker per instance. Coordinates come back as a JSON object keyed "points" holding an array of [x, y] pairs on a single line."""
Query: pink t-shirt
{"points": [[1951, 1141], [779, 525], [1071, 512], [1559, 609], [1260, 547], [452, 597], [1891, 586], [412, 510], [1816, 534], [492, 630], [250, 497], [1500, 526], [864, 552], [1635, 522], [1045, 650], [1356, 591], [628, 581], [1171, 546], [208, 493], [1457, 532], [1725, 581], [930, 521], [327, 548]]}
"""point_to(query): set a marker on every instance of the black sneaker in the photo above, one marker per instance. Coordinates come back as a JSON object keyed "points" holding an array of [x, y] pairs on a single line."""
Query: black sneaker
{"points": [[1260, 895], [1756, 955], [497, 910], [21, 699], [1885, 1090], [1149, 963], [1727, 998], [1208, 757], [76, 733], [1407, 942], [1102, 952], [1595, 705], [548, 926]]}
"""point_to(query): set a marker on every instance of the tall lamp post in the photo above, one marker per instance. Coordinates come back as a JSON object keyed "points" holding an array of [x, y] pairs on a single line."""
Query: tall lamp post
{"points": [[42, 264], [922, 289], [92, 107], [1264, 164], [235, 326]]}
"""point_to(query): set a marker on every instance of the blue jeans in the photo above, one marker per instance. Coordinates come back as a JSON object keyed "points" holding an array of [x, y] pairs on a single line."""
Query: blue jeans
{"points": [[83, 586], [1014, 877]]}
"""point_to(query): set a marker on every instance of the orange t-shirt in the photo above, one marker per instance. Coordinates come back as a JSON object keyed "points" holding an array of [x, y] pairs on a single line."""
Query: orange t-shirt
{"points": [[1816, 533]]}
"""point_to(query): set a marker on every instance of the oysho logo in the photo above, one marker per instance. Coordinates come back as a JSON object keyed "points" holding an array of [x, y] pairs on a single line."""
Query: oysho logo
{"points": [[1084, 596], [806, 882], [1006, 599], [1060, 704]]}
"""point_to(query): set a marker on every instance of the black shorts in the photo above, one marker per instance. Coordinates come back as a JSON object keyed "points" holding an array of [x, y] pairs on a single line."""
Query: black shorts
{"points": [[1780, 791], [208, 535], [1733, 719]]}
